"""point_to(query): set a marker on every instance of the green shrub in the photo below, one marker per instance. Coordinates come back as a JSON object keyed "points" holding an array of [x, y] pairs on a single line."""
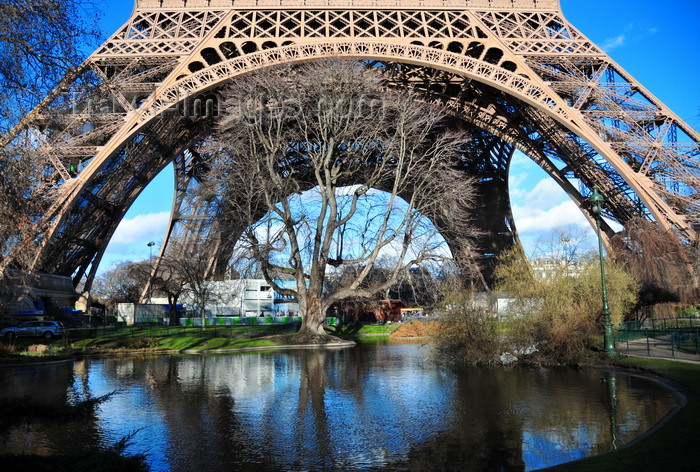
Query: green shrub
{"points": [[468, 335], [562, 315]]}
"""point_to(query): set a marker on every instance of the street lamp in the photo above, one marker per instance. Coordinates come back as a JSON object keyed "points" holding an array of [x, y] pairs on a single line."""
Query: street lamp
{"points": [[596, 200], [150, 259], [567, 255]]}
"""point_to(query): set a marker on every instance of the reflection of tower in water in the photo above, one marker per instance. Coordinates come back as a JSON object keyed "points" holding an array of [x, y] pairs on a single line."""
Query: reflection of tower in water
{"points": [[375, 406]]}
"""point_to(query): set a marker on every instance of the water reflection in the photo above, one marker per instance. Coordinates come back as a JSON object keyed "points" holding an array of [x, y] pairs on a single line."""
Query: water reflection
{"points": [[367, 408]]}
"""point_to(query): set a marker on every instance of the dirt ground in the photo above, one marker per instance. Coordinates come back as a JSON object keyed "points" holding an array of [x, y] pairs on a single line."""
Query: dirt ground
{"points": [[417, 329]]}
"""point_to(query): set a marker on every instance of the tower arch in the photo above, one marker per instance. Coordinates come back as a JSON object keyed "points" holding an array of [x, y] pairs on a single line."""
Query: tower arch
{"points": [[516, 69]]}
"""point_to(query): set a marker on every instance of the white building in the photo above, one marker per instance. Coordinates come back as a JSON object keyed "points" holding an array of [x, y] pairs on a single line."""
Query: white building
{"points": [[245, 298], [550, 268], [130, 313]]}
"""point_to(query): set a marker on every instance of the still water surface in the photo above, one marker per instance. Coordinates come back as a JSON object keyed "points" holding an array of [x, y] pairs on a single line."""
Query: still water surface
{"points": [[378, 406]]}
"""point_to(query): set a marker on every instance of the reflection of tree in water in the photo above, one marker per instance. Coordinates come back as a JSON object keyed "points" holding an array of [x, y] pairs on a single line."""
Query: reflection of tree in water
{"points": [[310, 409], [475, 441], [204, 432], [378, 402], [285, 423], [313, 433], [59, 385]]}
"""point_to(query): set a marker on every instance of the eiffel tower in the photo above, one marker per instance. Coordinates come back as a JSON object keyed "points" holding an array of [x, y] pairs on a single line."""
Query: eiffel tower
{"points": [[515, 72]]}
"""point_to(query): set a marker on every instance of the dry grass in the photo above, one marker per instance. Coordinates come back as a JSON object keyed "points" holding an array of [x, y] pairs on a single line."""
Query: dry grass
{"points": [[418, 329], [37, 348]]}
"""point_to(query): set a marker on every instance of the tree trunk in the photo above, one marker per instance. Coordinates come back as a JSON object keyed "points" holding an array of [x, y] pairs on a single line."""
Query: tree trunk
{"points": [[312, 318], [174, 315]]}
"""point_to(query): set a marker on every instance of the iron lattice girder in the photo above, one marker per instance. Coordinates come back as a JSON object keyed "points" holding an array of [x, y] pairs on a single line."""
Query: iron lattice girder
{"points": [[579, 106], [97, 212], [485, 157], [661, 150], [536, 134]]}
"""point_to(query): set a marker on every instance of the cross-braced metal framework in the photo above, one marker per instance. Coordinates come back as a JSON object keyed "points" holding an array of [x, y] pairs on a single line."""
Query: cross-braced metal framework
{"points": [[515, 73]]}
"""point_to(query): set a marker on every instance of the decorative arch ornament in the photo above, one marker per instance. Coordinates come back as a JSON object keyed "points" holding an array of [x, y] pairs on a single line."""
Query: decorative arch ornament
{"points": [[516, 72]]}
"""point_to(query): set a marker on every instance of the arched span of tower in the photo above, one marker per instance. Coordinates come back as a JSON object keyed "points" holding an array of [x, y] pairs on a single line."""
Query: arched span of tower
{"points": [[515, 69]]}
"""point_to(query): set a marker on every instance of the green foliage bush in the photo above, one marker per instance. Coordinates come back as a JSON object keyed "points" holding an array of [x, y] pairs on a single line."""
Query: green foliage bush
{"points": [[562, 315], [469, 335]]}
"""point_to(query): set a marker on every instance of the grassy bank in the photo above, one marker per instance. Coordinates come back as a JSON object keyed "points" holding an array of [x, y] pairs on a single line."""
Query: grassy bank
{"points": [[147, 339], [347, 331], [673, 446], [154, 339]]}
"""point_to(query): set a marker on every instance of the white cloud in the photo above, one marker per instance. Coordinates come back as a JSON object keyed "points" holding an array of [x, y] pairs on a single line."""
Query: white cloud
{"points": [[141, 228], [516, 183], [612, 43], [129, 242], [545, 194], [634, 32], [529, 219]]}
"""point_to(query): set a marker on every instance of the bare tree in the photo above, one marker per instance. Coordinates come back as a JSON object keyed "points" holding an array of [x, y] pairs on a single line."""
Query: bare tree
{"points": [[21, 171], [419, 288], [662, 265], [123, 283], [192, 273], [174, 277], [171, 280], [164, 276], [569, 247], [324, 167], [40, 40]]}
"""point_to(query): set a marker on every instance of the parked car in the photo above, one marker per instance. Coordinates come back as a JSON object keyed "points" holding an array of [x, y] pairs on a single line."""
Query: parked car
{"points": [[47, 329]]}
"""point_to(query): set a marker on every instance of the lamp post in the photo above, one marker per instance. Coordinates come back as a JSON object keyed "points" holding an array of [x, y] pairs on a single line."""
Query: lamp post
{"points": [[596, 200], [567, 255], [150, 259]]}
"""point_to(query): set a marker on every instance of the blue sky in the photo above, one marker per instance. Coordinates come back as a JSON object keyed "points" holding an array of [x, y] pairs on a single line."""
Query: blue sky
{"points": [[658, 43]]}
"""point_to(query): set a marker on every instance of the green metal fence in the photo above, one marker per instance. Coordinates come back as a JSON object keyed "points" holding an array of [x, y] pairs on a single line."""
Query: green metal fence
{"points": [[662, 324], [682, 343]]}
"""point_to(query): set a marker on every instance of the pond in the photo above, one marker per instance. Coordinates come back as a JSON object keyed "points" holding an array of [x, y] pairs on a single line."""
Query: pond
{"points": [[377, 406]]}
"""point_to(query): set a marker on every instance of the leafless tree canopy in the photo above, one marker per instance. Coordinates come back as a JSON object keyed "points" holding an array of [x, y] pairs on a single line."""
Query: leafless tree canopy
{"points": [[299, 162], [123, 283], [662, 265], [39, 41], [568, 243], [171, 277], [20, 227], [191, 273]]}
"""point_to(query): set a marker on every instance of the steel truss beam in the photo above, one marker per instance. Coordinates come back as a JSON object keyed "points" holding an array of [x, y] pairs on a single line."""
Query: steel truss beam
{"points": [[515, 73]]}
